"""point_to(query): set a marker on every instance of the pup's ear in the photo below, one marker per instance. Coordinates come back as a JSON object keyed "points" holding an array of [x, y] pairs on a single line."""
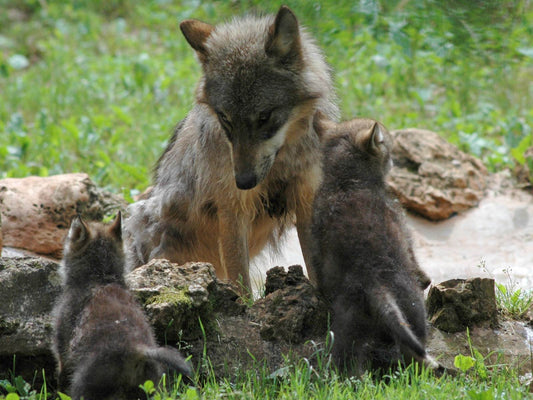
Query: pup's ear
{"points": [[283, 39], [78, 232], [371, 139], [115, 228], [196, 32]]}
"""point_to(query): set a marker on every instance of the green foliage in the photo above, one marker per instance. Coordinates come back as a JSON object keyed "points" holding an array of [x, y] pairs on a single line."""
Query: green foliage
{"points": [[512, 300], [464, 363], [96, 86]]}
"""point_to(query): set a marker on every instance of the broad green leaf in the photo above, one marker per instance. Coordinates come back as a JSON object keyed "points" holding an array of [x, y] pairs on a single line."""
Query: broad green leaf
{"points": [[464, 363]]}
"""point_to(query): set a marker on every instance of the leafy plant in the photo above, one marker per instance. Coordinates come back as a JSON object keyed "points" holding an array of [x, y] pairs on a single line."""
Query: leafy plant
{"points": [[512, 300]]}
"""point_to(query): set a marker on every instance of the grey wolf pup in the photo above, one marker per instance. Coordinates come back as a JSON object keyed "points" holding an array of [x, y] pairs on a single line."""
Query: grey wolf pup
{"points": [[103, 344], [245, 162], [363, 257]]}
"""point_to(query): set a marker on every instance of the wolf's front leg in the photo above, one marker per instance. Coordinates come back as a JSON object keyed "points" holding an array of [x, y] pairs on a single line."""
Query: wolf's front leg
{"points": [[233, 248], [303, 227]]}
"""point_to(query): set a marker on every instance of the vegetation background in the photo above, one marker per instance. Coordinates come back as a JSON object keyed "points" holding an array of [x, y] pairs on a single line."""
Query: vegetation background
{"points": [[96, 86]]}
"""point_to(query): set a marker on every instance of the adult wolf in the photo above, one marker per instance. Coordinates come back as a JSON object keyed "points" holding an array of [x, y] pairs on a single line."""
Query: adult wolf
{"points": [[245, 162]]}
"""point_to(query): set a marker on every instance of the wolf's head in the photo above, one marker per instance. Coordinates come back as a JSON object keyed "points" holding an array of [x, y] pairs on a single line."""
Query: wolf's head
{"points": [[257, 84]]}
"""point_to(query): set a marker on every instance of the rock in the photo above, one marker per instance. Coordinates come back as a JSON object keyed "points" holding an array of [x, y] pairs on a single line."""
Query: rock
{"points": [[432, 177], [177, 297], [37, 211], [232, 335], [292, 310], [1, 234], [29, 289], [456, 304]]}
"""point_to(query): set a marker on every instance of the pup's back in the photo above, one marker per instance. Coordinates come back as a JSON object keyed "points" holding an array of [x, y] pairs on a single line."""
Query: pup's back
{"points": [[363, 258], [104, 346]]}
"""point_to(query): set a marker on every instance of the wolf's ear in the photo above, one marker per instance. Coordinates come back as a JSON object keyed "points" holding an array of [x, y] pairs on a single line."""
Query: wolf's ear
{"points": [[78, 232], [115, 228], [283, 39], [196, 32], [372, 139]]}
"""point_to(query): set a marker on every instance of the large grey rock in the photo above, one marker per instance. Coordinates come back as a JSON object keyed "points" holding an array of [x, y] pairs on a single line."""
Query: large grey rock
{"points": [[456, 304], [36, 211], [433, 177], [29, 289]]}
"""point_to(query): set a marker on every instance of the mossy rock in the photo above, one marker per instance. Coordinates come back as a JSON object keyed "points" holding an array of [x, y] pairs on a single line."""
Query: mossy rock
{"points": [[182, 301]]}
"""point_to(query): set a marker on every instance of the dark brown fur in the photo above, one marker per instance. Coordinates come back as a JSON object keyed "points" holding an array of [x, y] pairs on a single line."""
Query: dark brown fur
{"points": [[363, 258], [103, 344]]}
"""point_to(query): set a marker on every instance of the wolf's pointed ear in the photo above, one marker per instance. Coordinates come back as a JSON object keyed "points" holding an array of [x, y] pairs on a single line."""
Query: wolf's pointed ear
{"points": [[196, 32], [115, 228], [78, 232], [372, 139], [284, 36]]}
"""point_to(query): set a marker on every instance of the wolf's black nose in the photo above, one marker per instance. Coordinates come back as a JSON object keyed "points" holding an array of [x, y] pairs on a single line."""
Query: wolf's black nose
{"points": [[246, 180]]}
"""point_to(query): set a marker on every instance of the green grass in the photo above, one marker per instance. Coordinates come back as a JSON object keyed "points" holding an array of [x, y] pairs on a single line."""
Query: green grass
{"points": [[96, 86], [301, 381]]}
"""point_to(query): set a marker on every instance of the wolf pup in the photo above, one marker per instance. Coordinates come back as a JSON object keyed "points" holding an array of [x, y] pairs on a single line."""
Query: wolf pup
{"points": [[362, 254], [102, 342], [245, 162]]}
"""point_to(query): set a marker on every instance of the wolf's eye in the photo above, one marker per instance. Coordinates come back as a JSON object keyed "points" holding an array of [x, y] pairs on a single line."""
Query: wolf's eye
{"points": [[264, 117], [223, 118]]}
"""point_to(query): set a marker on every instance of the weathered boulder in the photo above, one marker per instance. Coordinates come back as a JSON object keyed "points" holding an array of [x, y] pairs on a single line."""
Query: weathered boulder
{"points": [[433, 177], [178, 297], [29, 289], [1, 233], [37, 211], [456, 304], [292, 310]]}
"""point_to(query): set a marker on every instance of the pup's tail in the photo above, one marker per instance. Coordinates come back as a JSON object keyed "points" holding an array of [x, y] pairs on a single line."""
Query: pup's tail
{"points": [[395, 320], [170, 358]]}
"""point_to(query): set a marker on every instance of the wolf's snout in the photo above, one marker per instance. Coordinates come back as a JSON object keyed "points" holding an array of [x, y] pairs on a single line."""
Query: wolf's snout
{"points": [[246, 180]]}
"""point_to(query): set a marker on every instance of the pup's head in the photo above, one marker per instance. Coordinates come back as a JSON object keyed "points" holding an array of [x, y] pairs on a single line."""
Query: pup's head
{"points": [[254, 84], [360, 148], [93, 253]]}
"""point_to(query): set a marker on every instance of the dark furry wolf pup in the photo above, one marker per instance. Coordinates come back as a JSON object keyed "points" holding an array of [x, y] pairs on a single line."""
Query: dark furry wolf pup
{"points": [[362, 253], [245, 162], [103, 344]]}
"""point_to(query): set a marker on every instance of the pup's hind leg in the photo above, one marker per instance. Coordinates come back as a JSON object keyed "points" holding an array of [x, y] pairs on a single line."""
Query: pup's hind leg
{"points": [[350, 334]]}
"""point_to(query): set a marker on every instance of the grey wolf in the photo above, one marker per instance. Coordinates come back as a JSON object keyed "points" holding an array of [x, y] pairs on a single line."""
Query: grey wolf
{"points": [[245, 162], [362, 253], [103, 344]]}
